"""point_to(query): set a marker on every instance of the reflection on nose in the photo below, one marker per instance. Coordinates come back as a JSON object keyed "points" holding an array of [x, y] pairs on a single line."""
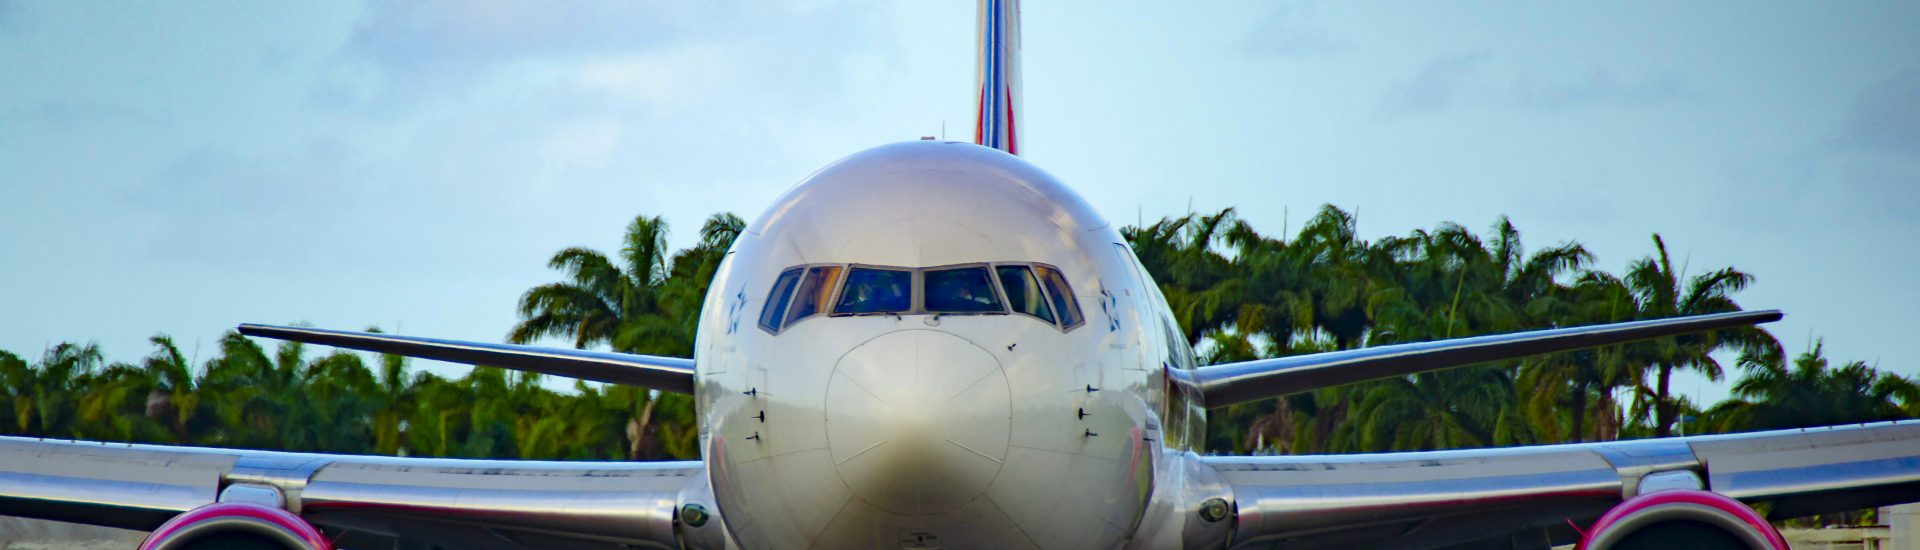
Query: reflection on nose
{"points": [[917, 421]]}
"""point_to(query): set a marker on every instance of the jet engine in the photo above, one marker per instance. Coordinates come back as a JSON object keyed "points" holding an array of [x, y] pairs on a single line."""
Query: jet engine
{"points": [[1684, 519], [236, 525]]}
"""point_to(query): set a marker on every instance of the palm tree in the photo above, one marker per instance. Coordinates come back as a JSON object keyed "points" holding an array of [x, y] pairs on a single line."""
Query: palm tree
{"points": [[44, 399], [1450, 283], [254, 396], [339, 396], [393, 393], [1436, 410], [647, 304], [1236, 293], [1578, 387], [173, 401], [1319, 292], [1660, 293], [607, 303], [436, 420], [112, 402], [1339, 276], [1771, 396], [692, 272], [15, 379], [1199, 282]]}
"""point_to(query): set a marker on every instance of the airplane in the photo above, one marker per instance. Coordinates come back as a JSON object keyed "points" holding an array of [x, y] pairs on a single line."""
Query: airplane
{"points": [[933, 344]]}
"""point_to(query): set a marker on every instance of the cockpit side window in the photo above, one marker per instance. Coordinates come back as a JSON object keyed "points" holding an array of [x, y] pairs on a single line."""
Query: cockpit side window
{"points": [[1023, 291], [815, 289], [961, 290], [1179, 352], [777, 299], [870, 291], [1062, 295]]}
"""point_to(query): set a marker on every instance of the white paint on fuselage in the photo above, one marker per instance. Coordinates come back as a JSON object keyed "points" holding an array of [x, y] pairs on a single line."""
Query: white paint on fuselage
{"points": [[956, 431]]}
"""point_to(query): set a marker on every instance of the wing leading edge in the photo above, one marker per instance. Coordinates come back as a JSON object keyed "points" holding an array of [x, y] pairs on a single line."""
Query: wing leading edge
{"points": [[357, 500], [1228, 384], [1531, 496], [672, 374]]}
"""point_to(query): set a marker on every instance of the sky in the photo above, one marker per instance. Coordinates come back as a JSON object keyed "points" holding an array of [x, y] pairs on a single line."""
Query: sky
{"points": [[181, 168]]}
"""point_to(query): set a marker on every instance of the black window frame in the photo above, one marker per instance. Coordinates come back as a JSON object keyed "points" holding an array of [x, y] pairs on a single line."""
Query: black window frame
{"points": [[832, 296], [918, 291], [1072, 299], [993, 282], [782, 301], [1039, 289], [786, 313], [913, 294]]}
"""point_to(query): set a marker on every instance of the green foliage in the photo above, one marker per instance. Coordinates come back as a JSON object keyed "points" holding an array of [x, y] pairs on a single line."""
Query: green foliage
{"points": [[1772, 395], [1241, 295], [1238, 294], [249, 396]]}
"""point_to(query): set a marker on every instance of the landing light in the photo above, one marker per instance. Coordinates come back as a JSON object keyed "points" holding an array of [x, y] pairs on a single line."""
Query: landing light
{"points": [[1213, 510], [694, 515]]}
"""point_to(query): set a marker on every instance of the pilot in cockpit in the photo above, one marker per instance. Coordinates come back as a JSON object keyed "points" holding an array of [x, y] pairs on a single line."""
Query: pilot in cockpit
{"points": [[965, 294], [876, 291]]}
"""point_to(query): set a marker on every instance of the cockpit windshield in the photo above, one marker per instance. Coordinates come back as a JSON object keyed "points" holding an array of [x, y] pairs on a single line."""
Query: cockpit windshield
{"points": [[1023, 291], [1035, 290], [871, 290], [962, 290]]}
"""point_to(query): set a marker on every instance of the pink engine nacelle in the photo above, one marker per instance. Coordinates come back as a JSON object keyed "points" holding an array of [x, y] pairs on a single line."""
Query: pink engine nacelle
{"points": [[236, 525], [1682, 519]]}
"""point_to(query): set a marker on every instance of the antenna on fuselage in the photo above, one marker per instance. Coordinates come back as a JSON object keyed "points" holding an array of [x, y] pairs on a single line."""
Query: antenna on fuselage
{"points": [[997, 76]]}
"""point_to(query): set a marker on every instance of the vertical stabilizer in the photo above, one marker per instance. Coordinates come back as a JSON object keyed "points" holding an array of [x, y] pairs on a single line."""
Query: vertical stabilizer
{"points": [[997, 122]]}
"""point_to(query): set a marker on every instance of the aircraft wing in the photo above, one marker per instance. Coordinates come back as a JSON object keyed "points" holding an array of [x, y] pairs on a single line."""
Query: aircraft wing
{"points": [[1227, 384], [1530, 497], [357, 501], [672, 374]]}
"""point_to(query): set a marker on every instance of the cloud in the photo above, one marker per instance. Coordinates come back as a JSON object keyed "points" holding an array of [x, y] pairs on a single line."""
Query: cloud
{"points": [[401, 53], [466, 131], [664, 78], [63, 112], [1459, 80], [232, 208], [337, 206], [1888, 185], [448, 36], [1295, 31], [1877, 155], [1886, 116], [1435, 86], [1599, 85]]}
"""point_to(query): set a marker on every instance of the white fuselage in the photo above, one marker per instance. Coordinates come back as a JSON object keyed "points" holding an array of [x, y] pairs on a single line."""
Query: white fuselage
{"points": [[977, 431]]}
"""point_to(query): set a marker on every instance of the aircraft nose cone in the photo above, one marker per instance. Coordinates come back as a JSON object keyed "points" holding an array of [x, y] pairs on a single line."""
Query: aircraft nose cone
{"points": [[917, 421]]}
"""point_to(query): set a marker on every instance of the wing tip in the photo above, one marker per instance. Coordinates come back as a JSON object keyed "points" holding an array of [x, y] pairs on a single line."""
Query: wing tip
{"points": [[258, 330]]}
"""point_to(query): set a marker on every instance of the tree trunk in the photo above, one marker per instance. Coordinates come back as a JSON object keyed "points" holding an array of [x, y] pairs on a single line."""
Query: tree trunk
{"points": [[1663, 406], [159, 403], [639, 431], [1274, 430], [1579, 413], [1606, 419], [1325, 422]]}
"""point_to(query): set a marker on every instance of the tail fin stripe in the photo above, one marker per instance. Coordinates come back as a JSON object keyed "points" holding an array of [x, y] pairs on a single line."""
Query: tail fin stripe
{"points": [[999, 79]]}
